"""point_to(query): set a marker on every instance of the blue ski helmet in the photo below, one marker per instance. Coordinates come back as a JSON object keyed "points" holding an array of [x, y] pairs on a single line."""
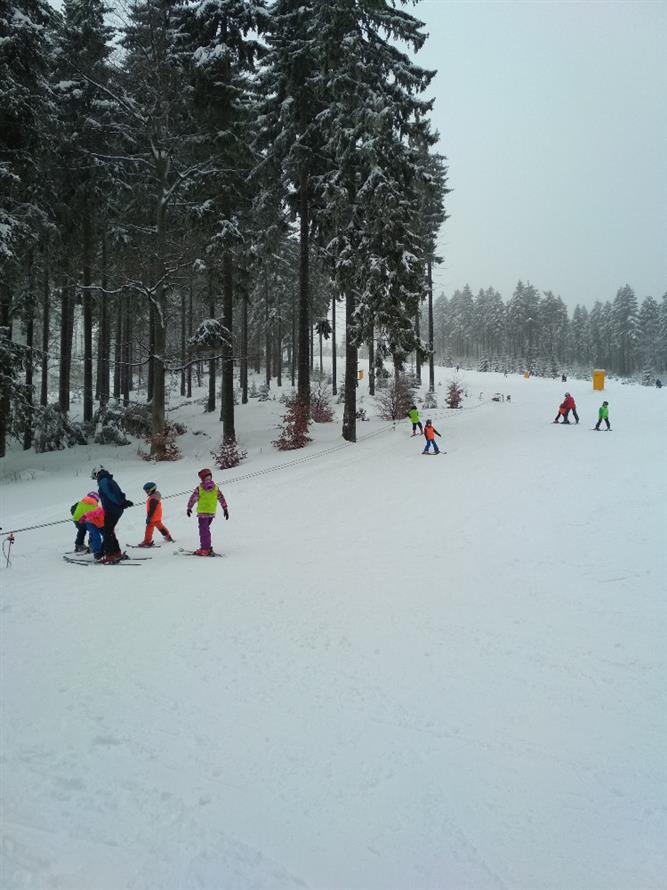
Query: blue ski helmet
{"points": [[149, 486]]}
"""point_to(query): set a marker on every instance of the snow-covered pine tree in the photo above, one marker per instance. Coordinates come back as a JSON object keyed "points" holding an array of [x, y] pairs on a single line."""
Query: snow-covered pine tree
{"points": [[601, 333], [553, 329], [216, 52], [648, 332], [291, 134], [625, 328], [158, 169], [81, 76], [580, 337], [27, 115], [454, 394], [376, 135], [523, 321], [431, 217], [662, 336]]}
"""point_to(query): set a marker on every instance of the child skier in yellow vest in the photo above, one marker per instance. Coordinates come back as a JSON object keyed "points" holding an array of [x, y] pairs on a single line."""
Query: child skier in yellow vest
{"points": [[206, 496]]}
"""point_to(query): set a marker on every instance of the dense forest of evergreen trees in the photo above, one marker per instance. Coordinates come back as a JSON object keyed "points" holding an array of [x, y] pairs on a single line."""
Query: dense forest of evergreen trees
{"points": [[192, 191], [534, 332]]}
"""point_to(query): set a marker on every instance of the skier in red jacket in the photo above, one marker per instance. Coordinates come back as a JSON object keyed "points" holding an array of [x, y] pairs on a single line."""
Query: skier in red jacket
{"points": [[570, 405]]}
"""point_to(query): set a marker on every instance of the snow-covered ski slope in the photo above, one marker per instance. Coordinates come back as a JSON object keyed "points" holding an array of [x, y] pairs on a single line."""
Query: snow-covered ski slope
{"points": [[404, 674]]}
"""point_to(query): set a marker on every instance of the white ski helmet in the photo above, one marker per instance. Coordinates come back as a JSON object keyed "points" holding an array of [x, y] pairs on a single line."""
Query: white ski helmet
{"points": [[96, 471]]}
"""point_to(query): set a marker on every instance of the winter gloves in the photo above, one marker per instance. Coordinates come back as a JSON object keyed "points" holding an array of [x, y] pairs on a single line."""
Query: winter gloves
{"points": [[225, 511]]}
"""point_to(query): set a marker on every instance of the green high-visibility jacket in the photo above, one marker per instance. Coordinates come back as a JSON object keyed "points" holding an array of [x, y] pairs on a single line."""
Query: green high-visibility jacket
{"points": [[414, 415], [603, 413], [84, 506]]}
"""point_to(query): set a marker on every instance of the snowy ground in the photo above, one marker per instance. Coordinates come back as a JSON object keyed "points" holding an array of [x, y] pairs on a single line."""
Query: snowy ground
{"points": [[406, 673]]}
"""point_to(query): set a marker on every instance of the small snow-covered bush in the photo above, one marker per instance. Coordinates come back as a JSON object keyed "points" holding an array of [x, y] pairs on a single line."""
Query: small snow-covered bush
{"points": [[163, 446], [264, 393], [108, 426], [54, 431], [320, 404], [454, 395], [295, 423], [430, 400], [228, 454], [395, 400], [137, 420]]}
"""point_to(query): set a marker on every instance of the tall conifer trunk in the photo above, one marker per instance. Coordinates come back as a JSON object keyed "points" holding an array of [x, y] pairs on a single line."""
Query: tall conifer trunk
{"points": [[105, 332], [87, 301], [190, 307], [210, 404], [244, 352], [334, 371], [431, 358], [267, 331], [66, 333], [371, 362], [227, 392], [351, 359], [303, 374], [418, 358], [118, 346], [29, 342], [183, 320], [46, 324]]}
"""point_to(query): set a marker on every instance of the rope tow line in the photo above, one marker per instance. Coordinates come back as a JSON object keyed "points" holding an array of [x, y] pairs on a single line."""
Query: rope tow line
{"points": [[229, 481], [255, 473]]}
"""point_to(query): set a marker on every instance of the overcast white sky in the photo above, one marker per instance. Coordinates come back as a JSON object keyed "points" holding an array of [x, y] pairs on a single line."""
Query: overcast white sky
{"points": [[553, 116]]}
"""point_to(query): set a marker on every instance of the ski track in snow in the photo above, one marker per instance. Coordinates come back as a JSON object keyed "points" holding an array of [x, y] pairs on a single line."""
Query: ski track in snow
{"points": [[404, 673]]}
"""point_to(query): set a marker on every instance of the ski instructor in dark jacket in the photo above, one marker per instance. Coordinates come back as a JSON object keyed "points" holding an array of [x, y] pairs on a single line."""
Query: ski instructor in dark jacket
{"points": [[113, 502]]}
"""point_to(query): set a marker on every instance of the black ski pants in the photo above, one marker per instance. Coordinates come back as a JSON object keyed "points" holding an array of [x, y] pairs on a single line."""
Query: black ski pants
{"points": [[606, 420], [111, 544], [80, 535]]}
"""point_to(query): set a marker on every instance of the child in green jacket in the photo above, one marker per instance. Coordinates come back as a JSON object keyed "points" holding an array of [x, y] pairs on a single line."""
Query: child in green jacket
{"points": [[413, 414], [603, 414]]}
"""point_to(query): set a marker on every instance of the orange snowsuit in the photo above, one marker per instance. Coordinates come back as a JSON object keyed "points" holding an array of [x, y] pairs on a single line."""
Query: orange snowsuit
{"points": [[154, 518]]}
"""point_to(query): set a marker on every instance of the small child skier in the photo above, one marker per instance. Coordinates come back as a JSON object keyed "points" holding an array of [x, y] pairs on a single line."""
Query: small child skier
{"points": [[88, 516], [562, 412], [603, 414], [413, 414], [430, 433], [154, 516], [206, 496]]}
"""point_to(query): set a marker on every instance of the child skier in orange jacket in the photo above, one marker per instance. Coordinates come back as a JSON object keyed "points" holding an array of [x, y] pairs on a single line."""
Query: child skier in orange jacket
{"points": [[154, 516], [430, 433]]}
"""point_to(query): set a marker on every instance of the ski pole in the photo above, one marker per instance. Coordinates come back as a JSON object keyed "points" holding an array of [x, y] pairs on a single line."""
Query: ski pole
{"points": [[8, 540]]}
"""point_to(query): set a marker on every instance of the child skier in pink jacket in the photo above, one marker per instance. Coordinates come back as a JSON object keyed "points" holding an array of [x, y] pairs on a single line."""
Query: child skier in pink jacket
{"points": [[206, 496]]}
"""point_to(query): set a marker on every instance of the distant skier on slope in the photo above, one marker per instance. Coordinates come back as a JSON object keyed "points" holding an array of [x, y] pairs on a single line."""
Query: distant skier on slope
{"points": [[430, 433], [154, 516], [413, 414], [562, 412], [570, 405], [114, 503], [206, 496], [603, 414]]}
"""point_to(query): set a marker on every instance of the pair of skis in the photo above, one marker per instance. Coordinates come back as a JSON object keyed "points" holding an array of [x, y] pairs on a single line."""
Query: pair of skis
{"points": [[126, 560]]}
